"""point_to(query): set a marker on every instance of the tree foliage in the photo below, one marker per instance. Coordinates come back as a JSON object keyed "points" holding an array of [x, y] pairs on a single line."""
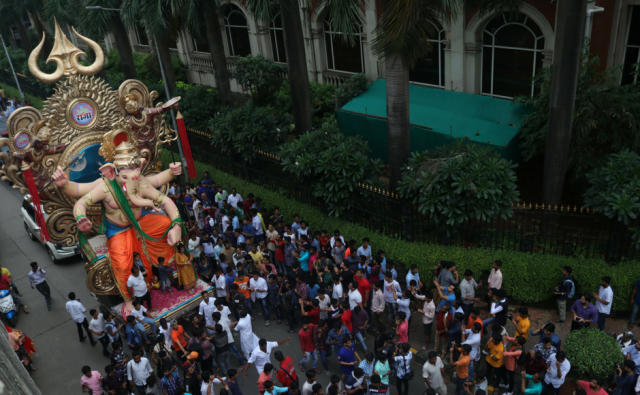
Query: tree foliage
{"points": [[460, 183], [331, 165], [242, 130], [592, 353], [607, 118], [260, 77], [614, 189]]}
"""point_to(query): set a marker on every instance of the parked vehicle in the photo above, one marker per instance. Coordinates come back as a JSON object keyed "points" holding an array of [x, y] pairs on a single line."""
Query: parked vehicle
{"points": [[56, 252]]}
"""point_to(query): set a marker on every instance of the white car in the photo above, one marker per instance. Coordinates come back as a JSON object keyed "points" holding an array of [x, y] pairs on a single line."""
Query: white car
{"points": [[56, 252]]}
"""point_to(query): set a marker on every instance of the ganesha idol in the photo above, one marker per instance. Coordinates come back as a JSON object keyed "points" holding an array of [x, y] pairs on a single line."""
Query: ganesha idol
{"points": [[137, 216]]}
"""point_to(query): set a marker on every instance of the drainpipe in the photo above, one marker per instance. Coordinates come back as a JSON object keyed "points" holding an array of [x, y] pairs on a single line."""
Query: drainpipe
{"points": [[592, 8]]}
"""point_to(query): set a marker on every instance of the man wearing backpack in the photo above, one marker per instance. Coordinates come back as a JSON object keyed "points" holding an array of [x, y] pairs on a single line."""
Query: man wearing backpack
{"points": [[565, 291]]}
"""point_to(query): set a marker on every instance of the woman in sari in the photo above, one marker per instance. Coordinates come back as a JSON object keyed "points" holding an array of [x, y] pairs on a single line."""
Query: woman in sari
{"points": [[186, 273]]}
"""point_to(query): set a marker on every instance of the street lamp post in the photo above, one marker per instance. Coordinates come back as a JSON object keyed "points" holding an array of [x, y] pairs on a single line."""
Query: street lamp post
{"points": [[164, 80], [15, 77]]}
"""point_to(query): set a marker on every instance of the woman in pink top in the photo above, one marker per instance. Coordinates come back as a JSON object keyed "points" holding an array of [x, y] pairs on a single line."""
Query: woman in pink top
{"points": [[402, 332], [91, 381], [511, 358]]}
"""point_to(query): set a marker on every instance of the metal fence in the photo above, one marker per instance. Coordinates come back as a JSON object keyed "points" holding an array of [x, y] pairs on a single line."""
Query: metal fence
{"points": [[565, 230]]}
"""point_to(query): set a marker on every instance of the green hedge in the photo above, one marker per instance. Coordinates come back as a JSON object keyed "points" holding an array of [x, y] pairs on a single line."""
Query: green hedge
{"points": [[528, 277]]}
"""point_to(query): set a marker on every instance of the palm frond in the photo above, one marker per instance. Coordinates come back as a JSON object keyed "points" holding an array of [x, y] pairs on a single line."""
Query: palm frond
{"points": [[264, 10], [404, 29], [345, 17]]}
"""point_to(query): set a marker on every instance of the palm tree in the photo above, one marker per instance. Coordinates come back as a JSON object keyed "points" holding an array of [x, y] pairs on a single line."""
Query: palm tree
{"points": [[402, 39], [12, 13], [343, 13], [199, 13], [564, 82], [157, 18]]}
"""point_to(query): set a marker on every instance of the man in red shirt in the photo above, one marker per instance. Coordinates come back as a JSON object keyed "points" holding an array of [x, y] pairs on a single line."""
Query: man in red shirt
{"points": [[287, 372], [346, 317], [307, 344], [364, 287]]}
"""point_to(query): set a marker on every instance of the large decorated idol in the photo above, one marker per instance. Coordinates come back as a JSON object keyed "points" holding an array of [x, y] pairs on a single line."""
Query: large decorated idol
{"points": [[137, 216], [87, 161]]}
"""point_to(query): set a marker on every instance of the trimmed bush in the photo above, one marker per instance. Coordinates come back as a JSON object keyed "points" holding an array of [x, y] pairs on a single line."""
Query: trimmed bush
{"points": [[528, 277], [592, 353]]}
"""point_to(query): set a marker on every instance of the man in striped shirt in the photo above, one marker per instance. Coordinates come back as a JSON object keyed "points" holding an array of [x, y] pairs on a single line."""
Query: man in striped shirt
{"points": [[37, 279]]}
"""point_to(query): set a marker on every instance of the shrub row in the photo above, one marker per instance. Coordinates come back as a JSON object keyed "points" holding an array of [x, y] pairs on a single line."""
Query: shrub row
{"points": [[528, 277]]}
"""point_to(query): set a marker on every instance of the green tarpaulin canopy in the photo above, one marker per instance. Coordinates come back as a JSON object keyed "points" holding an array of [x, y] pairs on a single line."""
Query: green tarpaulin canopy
{"points": [[437, 117]]}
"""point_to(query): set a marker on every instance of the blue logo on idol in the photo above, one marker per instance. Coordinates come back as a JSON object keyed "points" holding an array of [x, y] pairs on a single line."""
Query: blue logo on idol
{"points": [[85, 167]]}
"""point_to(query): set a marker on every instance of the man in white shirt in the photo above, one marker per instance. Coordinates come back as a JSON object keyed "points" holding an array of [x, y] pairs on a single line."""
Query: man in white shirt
{"points": [[337, 292], [262, 354], [138, 287], [495, 276], [234, 198], [428, 312], [558, 367], [256, 222], [195, 247], [336, 236], [355, 299], [473, 337], [225, 312], [391, 291], [141, 315], [138, 371], [205, 309], [76, 310], [433, 373], [220, 283], [259, 290], [604, 298], [97, 327]]}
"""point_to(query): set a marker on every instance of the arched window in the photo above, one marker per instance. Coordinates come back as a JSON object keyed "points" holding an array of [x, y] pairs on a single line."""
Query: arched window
{"points": [[341, 54], [512, 47], [276, 32], [632, 55], [200, 42], [141, 35], [237, 30], [430, 69]]}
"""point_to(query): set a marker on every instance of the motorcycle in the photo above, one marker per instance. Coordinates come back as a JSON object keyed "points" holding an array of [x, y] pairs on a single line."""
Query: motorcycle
{"points": [[8, 307]]}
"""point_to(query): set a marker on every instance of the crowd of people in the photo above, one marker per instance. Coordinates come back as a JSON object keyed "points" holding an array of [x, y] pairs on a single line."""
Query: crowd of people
{"points": [[350, 308]]}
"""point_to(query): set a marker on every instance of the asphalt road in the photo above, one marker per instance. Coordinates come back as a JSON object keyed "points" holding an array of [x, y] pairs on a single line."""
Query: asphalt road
{"points": [[59, 354]]}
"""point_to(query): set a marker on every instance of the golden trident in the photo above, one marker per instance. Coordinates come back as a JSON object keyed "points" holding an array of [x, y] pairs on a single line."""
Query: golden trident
{"points": [[66, 55]]}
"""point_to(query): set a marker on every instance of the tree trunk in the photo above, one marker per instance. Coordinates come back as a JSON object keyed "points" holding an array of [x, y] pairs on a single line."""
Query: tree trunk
{"points": [[297, 65], [398, 132], [216, 48], [124, 47], [24, 37], [567, 55], [165, 57], [37, 23]]}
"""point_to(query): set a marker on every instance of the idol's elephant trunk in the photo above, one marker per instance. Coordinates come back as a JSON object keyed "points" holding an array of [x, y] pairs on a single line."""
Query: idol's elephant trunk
{"points": [[139, 201]]}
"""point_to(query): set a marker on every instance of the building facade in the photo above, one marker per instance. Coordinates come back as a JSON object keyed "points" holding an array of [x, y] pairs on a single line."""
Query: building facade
{"points": [[490, 54]]}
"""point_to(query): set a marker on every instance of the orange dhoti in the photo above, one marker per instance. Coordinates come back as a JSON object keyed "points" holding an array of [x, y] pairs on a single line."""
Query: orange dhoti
{"points": [[122, 242]]}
